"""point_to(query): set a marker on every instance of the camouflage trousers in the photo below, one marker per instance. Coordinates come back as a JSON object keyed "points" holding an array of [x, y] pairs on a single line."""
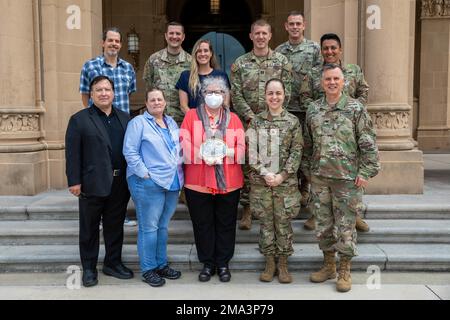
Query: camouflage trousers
{"points": [[245, 191], [275, 208], [303, 184], [335, 204]]}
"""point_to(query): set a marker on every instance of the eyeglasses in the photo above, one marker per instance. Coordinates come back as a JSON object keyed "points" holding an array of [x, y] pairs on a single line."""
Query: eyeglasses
{"points": [[214, 92]]}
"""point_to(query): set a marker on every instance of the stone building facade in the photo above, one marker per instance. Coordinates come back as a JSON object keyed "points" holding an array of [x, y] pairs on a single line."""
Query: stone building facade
{"points": [[402, 46]]}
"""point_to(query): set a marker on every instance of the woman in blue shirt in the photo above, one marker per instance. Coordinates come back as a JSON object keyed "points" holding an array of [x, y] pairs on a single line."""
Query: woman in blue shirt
{"points": [[204, 65], [155, 177]]}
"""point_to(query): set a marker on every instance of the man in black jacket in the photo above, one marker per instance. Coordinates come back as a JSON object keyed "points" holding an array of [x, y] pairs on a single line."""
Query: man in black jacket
{"points": [[95, 169]]}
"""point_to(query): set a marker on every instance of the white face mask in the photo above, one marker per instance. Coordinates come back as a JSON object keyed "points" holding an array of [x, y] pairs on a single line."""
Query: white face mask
{"points": [[213, 100]]}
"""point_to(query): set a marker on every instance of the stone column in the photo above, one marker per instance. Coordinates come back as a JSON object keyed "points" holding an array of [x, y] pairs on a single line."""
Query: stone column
{"points": [[43, 44], [387, 65], [71, 35], [434, 103], [22, 156]]}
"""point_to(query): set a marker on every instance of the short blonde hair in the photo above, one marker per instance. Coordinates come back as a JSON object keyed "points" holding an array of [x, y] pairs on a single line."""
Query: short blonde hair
{"points": [[261, 23]]}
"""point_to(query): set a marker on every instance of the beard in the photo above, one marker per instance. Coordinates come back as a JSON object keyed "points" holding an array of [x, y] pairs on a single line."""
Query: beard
{"points": [[112, 54]]}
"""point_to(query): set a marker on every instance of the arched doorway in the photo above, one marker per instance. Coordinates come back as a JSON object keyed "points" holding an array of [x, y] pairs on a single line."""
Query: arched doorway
{"points": [[227, 29], [226, 47]]}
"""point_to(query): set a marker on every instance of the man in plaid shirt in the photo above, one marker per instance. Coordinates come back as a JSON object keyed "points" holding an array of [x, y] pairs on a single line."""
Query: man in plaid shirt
{"points": [[109, 64]]}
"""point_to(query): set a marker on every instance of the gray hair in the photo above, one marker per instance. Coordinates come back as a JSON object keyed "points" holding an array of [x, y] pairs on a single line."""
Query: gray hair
{"points": [[219, 81], [331, 66]]}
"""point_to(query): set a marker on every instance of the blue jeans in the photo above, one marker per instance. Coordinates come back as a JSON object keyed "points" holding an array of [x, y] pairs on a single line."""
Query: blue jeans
{"points": [[154, 208]]}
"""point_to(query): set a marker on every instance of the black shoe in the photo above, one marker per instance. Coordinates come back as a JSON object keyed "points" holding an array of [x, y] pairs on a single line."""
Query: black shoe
{"points": [[224, 274], [206, 273], [119, 271], [152, 278], [168, 273], [90, 277]]}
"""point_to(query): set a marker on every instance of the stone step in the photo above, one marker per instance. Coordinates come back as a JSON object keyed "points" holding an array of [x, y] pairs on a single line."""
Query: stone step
{"points": [[65, 232], [61, 205], [307, 256], [382, 208], [377, 207]]}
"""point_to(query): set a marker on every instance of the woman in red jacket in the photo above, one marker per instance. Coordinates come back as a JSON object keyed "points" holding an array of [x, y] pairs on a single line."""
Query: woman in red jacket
{"points": [[213, 142]]}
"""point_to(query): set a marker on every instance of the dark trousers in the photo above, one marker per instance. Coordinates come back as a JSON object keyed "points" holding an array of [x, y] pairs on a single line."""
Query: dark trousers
{"points": [[214, 222], [112, 211]]}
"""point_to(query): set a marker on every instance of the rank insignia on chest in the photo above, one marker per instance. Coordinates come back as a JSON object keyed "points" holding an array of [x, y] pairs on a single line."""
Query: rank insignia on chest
{"points": [[274, 132]]}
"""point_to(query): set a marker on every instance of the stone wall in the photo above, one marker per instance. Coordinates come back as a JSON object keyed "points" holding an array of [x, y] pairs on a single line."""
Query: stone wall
{"points": [[434, 118], [40, 60]]}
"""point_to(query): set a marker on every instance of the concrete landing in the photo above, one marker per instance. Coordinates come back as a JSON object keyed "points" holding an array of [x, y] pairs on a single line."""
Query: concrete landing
{"points": [[243, 286]]}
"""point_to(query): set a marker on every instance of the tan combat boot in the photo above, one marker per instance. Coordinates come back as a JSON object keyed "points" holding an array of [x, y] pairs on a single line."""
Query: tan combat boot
{"points": [[310, 224], [283, 273], [269, 272], [328, 270], [246, 220], [361, 225], [344, 282]]}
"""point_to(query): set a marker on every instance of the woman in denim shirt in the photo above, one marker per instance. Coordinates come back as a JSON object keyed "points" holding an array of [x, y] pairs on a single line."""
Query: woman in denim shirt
{"points": [[155, 177]]}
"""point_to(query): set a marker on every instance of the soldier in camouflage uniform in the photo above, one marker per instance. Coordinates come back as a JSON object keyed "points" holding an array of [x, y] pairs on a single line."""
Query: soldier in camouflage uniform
{"points": [[355, 87], [275, 148], [303, 54], [249, 75], [163, 68], [340, 156]]}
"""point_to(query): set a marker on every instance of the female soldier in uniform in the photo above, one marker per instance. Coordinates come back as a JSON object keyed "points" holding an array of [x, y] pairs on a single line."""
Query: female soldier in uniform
{"points": [[274, 195]]}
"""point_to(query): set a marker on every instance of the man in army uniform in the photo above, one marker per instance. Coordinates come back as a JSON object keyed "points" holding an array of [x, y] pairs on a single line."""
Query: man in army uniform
{"points": [[249, 75], [163, 68], [355, 86], [340, 155], [303, 54]]}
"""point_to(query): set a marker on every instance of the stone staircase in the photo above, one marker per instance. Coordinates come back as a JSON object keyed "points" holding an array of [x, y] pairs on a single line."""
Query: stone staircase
{"points": [[408, 233]]}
